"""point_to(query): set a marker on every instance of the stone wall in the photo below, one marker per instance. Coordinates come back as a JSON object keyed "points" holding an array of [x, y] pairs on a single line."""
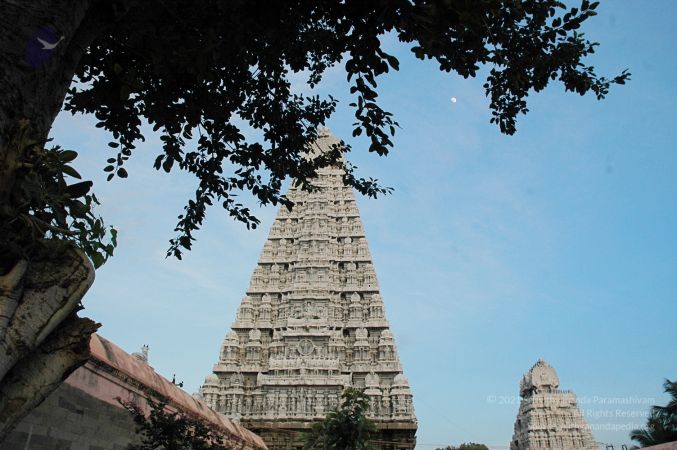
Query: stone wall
{"points": [[291, 435], [72, 420]]}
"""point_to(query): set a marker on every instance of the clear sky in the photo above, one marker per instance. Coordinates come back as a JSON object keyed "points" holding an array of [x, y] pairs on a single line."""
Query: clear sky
{"points": [[559, 242]]}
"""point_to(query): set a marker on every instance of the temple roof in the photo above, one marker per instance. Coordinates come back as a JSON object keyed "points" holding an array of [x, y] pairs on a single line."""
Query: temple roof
{"points": [[542, 377], [109, 354]]}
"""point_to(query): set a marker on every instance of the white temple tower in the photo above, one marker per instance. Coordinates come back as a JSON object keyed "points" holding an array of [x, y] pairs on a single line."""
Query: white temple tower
{"points": [[312, 323], [548, 418]]}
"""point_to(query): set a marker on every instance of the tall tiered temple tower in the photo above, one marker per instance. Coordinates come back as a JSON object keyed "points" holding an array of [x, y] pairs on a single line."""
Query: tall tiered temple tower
{"points": [[548, 418], [311, 324]]}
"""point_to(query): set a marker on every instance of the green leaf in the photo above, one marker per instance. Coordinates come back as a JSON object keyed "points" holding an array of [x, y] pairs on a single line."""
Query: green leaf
{"points": [[122, 173], [68, 170], [97, 259], [167, 164], [78, 189], [394, 63], [78, 209], [68, 156], [60, 217]]}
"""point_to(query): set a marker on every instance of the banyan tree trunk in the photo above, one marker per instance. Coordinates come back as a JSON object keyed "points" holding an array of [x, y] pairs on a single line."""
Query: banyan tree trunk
{"points": [[42, 340]]}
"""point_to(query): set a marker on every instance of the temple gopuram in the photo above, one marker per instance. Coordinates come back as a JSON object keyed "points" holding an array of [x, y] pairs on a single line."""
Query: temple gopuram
{"points": [[549, 418], [311, 324]]}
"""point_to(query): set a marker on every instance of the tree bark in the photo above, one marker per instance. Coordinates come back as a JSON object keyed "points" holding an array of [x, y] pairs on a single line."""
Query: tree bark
{"points": [[34, 80], [44, 340], [52, 289], [11, 286], [38, 375], [41, 338]]}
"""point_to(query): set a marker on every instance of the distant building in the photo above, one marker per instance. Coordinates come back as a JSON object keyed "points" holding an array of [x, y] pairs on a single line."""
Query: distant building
{"points": [[84, 411], [311, 324], [548, 418]]}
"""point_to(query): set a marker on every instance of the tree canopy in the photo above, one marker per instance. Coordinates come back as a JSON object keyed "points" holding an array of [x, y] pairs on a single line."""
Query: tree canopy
{"points": [[193, 71], [661, 425], [466, 446]]}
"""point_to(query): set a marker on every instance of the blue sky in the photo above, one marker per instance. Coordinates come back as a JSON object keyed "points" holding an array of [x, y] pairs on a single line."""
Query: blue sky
{"points": [[559, 242]]}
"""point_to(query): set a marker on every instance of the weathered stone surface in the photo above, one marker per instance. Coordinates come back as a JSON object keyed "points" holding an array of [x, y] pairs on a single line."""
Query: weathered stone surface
{"points": [[549, 418], [41, 339], [73, 419], [312, 323]]}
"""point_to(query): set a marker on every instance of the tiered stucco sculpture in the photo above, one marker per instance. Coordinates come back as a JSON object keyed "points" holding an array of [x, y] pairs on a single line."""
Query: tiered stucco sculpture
{"points": [[548, 418], [311, 324]]}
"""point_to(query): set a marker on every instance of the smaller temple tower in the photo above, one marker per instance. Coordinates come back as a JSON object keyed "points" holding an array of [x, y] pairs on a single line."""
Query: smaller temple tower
{"points": [[549, 418]]}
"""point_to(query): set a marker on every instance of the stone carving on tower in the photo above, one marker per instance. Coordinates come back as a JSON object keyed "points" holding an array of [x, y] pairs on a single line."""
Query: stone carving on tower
{"points": [[548, 418], [311, 324]]}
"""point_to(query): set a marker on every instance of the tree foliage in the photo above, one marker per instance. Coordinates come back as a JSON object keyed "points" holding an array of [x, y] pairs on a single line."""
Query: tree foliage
{"points": [[661, 425], [196, 72], [466, 446], [346, 428], [166, 430], [43, 199]]}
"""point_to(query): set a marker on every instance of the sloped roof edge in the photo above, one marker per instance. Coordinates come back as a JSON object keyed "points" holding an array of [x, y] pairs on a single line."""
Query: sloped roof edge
{"points": [[666, 446], [106, 352]]}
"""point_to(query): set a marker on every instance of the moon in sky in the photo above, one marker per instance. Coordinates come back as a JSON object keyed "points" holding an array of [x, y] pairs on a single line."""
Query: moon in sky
{"points": [[453, 99]]}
